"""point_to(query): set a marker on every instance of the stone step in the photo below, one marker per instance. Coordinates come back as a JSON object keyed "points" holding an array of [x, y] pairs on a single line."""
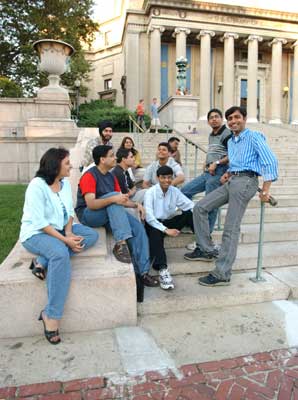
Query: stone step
{"points": [[189, 295], [275, 254], [277, 189], [290, 200], [273, 232], [102, 294], [288, 276], [272, 214]]}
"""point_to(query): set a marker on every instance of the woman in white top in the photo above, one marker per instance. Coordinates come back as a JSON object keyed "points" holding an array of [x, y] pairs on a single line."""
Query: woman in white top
{"points": [[47, 230]]}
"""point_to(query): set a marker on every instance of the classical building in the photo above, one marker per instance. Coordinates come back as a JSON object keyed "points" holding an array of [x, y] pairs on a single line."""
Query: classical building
{"points": [[236, 55]]}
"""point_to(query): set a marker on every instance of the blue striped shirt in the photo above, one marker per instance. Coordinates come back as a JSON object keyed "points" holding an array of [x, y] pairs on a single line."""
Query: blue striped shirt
{"points": [[250, 152]]}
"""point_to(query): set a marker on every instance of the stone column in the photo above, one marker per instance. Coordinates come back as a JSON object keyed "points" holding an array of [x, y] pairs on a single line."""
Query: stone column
{"points": [[132, 68], [205, 73], [252, 77], [295, 86], [155, 60], [181, 34], [228, 78], [276, 67]]}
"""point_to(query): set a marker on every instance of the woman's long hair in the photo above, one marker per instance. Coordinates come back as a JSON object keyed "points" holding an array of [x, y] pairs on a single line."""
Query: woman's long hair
{"points": [[122, 145], [50, 164]]}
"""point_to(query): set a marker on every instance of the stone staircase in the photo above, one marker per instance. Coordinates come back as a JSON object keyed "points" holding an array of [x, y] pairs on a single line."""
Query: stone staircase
{"points": [[102, 293], [280, 251]]}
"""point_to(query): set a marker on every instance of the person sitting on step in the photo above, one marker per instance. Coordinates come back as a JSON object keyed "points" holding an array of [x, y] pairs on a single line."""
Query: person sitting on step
{"points": [[105, 130], [163, 158], [100, 203], [47, 230], [161, 202]]}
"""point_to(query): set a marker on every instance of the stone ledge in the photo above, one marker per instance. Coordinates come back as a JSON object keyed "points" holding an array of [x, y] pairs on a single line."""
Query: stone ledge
{"points": [[102, 293]]}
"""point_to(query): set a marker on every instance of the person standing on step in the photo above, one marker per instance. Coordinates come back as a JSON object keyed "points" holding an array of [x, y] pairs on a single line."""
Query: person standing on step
{"points": [[249, 157], [105, 129], [47, 230], [161, 202], [100, 203], [155, 121], [215, 166], [140, 114]]}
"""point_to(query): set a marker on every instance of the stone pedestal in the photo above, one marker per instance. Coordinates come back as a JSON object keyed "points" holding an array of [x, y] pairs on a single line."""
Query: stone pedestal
{"points": [[29, 127], [180, 113]]}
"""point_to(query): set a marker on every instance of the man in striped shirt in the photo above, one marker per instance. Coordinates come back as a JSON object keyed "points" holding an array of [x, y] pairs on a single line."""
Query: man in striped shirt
{"points": [[249, 157]]}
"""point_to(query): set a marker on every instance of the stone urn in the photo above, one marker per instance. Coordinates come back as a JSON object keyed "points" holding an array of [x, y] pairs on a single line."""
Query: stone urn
{"points": [[54, 58]]}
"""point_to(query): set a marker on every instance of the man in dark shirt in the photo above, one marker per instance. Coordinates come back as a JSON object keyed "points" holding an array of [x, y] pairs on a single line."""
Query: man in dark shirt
{"points": [[125, 160], [216, 162], [100, 203]]}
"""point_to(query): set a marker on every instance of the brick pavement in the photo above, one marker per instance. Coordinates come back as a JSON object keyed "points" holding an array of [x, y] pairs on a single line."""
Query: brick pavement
{"points": [[270, 375]]}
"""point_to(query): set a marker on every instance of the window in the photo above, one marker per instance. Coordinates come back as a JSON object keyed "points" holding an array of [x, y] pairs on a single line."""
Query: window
{"points": [[108, 84]]}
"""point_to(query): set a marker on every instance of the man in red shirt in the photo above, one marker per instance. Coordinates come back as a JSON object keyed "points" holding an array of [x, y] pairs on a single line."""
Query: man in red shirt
{"points": [[100, 203], [141, 113]]}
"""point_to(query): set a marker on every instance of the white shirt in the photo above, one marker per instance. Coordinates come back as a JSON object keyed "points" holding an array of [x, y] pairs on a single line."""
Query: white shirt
{"points": [[150, 172], [161, 206]]}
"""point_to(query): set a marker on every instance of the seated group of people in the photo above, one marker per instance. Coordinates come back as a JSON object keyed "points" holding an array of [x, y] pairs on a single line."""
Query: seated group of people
{"points": [[107, 194]]}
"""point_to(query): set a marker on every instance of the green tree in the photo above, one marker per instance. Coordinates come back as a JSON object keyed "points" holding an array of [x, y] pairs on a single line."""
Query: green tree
{"points": [[23, 22], [9, 88]]}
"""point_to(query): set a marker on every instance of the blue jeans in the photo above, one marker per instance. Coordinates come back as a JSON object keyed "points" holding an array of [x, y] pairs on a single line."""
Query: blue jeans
{"points": [[124, 226], [205, 183], [54, 255]]}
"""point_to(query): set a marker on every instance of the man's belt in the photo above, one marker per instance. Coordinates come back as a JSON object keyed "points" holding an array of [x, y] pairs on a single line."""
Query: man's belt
{"points": [[249, 173]]}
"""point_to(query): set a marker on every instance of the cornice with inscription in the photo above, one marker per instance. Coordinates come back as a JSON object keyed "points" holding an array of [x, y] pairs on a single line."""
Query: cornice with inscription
{"points": [[223, 9]]}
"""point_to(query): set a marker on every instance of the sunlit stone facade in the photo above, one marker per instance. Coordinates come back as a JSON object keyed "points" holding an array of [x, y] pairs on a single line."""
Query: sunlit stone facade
{"points": [[236, 55]]}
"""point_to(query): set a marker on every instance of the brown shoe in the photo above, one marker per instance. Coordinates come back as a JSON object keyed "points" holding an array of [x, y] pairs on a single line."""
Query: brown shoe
{"points": [[150, 281], [121, 252]]}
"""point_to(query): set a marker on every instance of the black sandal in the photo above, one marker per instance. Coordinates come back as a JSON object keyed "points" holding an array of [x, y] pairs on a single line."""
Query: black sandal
{"points": [[49, 334], [39, 272]]}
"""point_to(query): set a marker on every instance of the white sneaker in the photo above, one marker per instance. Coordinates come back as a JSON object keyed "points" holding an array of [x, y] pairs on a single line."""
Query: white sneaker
{"points": [[191, 246], [217, 247], [165, 279]]}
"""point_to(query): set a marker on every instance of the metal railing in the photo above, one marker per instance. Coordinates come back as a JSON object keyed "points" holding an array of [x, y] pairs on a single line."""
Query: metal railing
{"points": [[137, 131]]}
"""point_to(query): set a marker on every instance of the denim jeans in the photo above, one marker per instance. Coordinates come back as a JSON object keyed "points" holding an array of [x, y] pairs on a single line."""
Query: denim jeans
{"points": [[205, 183], [124, 226], [54, 255], [237, 192]]}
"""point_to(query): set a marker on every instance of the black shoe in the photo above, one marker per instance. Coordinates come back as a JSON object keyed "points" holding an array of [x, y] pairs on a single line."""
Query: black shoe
{"points": [[121, 252], [199, 255], [210, 280], [150, 281]]}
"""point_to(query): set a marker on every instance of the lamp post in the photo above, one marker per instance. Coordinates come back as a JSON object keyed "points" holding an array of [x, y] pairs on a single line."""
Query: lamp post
{"points": [[181, 64], [77, 84]]}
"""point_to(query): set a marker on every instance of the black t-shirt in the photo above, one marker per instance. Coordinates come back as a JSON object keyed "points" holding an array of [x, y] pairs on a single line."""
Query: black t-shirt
{"points": [[124, 179]]}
